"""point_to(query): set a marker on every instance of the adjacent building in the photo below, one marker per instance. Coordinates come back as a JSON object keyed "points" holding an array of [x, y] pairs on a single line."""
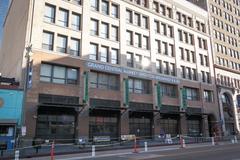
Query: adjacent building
{"points": [[225, 33], [102, 69], [11, 99]]}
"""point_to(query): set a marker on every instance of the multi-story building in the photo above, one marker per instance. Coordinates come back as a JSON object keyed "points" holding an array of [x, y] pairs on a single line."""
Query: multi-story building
{"points": [[225, 33], [148, 67]]}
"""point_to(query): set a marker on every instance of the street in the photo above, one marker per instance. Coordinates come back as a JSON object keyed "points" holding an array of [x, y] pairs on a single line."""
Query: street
{"points": [[192, 152]]}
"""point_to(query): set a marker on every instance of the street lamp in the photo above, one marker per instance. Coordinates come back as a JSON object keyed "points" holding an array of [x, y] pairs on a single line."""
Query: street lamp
{"points": [[26, 81]]}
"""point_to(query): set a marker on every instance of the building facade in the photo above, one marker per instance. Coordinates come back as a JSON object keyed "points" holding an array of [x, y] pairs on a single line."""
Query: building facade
{"points": [[11, 99], [225, 33], [109, 68]]}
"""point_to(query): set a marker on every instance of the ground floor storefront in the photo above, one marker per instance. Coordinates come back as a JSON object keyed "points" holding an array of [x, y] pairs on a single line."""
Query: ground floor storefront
{"points": [[106, 121]]}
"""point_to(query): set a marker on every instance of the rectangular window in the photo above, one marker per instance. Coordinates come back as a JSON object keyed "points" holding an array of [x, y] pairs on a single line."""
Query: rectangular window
{"points": [[145, 22], [183, 72], [164, 48], [104, 30], [114, 34], [129, 16], [168, 90], [75, 47], [104, 81], [114, 56], [138, 40], [104, 54], [129, 37], [145, 42], [129, 59], [114, 10], [138, 60], [63, 17], [95, 5], [158, 46], [47, 42], [208, 96], [49, 14], [105, 7], [93, 55], [165, 68], [192, 94], [62, 44], [76, 21], [157, 26], [159, 66], [58, 74], [137, 19], [94, 27], [172, 69], [139, 86]]}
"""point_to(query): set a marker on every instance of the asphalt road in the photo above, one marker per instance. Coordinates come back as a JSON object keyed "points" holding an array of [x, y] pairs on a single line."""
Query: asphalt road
{"points": [[223, 152]]}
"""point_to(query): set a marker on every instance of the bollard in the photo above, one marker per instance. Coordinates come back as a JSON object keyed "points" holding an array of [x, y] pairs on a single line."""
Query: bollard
{"points": [[182, 142], [236, 140], [52, 151], [145, 147], [93, 151], [135, 150], [16, 155], [213, 142]]}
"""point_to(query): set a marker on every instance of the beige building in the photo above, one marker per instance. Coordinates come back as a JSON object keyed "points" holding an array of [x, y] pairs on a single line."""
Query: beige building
{"points": [[150, 44], [225, 33]]}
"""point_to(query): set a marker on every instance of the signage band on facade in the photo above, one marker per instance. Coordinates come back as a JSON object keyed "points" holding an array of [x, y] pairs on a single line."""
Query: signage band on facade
{"points": [[131, 72]]}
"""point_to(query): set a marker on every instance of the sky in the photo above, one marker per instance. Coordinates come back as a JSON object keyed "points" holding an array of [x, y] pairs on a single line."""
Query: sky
{"points": [[3, 11]]}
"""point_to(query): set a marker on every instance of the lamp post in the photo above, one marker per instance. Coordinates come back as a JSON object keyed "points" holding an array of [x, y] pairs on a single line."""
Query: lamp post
{"points": [[26, 81]]}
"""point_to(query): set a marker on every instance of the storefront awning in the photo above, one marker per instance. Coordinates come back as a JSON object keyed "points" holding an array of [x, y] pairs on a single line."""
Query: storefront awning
{"points": [[108, 108], [8, 121]]}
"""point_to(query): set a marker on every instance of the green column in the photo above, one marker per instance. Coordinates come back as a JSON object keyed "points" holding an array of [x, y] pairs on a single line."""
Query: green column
{"points": [[126, 92], [158, 96], [183, 96], [85, 91]]}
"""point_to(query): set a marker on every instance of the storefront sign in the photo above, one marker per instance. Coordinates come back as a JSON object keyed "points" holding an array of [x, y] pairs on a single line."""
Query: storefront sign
{"points": [[128, 137], [131, 72], [101, 139]]}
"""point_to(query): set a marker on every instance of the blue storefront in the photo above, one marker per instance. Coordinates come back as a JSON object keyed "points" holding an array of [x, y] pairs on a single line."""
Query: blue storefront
{"points": [[10, 116]]}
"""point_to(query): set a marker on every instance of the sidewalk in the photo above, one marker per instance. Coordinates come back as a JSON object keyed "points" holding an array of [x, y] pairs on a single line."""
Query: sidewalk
{"points": [[122, 152]]}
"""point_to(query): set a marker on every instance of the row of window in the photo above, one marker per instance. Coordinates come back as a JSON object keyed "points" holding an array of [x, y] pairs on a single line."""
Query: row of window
{"points": [[136, 61], [137, 19], [223, 49], [185, 37], [103, 53], [63, 17], [64, 44], [228, 81], [166, 68], [105, 7], [188, 73], [137, 40], [226, 63], [163, 29], [206, 78], [184, 19], [162, 9], [104, 29], [144, 3], [164, 48], [221, 36], [68, 75], [187, 55], [229, 28]]}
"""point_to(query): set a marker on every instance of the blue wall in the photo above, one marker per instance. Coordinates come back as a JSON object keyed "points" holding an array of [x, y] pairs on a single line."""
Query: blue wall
{"points": [[12, 106]]}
